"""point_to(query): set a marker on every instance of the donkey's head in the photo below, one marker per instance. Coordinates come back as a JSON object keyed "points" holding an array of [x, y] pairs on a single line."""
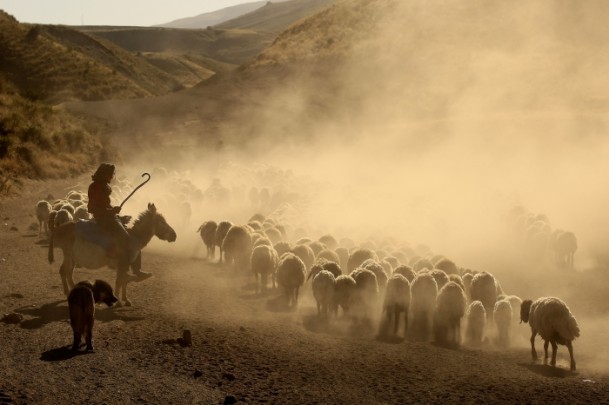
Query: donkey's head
{"points": [[160, 227]]}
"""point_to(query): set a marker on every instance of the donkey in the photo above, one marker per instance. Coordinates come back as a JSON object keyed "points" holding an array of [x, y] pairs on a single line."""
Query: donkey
{"points": [[82, 252]]}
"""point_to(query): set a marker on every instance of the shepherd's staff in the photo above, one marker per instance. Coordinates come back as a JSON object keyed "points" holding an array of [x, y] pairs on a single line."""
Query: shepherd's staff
{"points": [[137, 188]]}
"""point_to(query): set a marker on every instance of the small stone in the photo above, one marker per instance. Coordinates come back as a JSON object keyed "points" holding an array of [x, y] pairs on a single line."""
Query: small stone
{"points": [[230, 399], [242, 329], [228, 376], [14, 228], [12, 318], [187, 337], [198, 373]]}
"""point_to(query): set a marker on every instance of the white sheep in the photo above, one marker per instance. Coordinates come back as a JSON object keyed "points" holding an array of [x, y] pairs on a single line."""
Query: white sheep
{"points": [[552, 320], [43, 209], [378, 270], [367, 290], [423, 292], [221, 231], [406, 271], [484, 289], [440, 276], [450, 308], [264, 261], [422, 264], [237, 247], [81, 213], [290, 276], [344, 293], [476, 323], [324, 285], [62, 217], [207, 231], [329, 255], [358, 256], [329, 241], [502, 316], [305, 253], [397, 301]]}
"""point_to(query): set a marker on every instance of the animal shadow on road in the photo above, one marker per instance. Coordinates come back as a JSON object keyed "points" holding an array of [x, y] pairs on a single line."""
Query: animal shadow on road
{"points": [[279, 303], [548, 371], [61, 353], [54, 312]]}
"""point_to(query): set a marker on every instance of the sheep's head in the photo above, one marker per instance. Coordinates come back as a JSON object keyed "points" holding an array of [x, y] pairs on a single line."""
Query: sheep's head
{"points": [[525, 309]]}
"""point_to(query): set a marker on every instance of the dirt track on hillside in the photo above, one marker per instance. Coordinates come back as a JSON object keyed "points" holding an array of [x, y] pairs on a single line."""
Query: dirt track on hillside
{"points": [[244, 345]]}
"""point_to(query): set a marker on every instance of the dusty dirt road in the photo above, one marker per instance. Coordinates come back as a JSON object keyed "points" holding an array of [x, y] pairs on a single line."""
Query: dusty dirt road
{"points": [[245, 347]]}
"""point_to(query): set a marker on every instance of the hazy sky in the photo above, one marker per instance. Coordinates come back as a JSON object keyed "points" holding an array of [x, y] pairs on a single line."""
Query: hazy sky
{"points": [[110, 12]]}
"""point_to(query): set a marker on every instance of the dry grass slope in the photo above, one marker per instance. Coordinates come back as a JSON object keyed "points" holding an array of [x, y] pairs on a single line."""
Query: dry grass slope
{"points": [[55, 63]]}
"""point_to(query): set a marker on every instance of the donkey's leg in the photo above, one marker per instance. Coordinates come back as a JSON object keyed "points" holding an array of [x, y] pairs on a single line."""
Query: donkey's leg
{"points": [[70, 274]]}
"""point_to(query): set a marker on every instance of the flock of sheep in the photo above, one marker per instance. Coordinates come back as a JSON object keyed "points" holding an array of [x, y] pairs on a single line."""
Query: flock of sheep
{"points": [[421, 295], [540, 241]]}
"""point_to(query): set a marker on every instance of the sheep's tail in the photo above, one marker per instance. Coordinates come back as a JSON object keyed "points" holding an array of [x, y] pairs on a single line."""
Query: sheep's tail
{"points": [[569, 330], [51, 253], [199, 230]]}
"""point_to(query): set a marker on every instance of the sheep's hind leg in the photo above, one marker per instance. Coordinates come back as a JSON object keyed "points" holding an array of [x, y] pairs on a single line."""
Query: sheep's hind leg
{"points": [[554, 347], [545, 349], [533, 351], [570, 347]]}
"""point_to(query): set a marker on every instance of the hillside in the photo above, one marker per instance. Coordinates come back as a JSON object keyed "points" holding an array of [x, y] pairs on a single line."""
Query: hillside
{"points": [[215, 17], [226, 46], [56, 63], [275, 16]]}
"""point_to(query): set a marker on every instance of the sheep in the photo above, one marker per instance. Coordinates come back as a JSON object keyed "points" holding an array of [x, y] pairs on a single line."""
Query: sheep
{"points": [[502, 315], [393, 261], [447, 265], [323, 264], [343, 256], [422, 264], [305, 254], [329, 241], [423, 292], [62, 217], [207, 231], [406, 272], [440, 277], [290, 276], [81, 213], [344, 293], [457, 279], [484, 289], [565, 246], [51, 220], [378, 270], [397, 301], [551, 318], [324, 285], [282, 247], [347, 243], [467, 285], [274, 235], [358, 256], [68, 207], [366, 290], [317, 247], [221, 231], [476, 322], [259, 240], [264, 262], [329, 255], [43, 209], [257, 218], [450, 308], [237, 246]]}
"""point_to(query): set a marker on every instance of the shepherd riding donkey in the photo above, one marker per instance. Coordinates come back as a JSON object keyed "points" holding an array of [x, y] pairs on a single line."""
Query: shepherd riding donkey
{"points": [[105, 241]]}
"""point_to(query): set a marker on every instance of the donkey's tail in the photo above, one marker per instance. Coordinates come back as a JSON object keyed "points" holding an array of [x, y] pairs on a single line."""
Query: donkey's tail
{"points": [[51, 255]]}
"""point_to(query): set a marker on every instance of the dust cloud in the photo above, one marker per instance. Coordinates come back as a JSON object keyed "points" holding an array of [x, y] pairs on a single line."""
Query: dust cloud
{"points": [[427, 131]]}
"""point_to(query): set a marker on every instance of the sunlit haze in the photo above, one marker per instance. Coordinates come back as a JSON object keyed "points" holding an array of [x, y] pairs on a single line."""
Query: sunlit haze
{"points": [[110, 12]]}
